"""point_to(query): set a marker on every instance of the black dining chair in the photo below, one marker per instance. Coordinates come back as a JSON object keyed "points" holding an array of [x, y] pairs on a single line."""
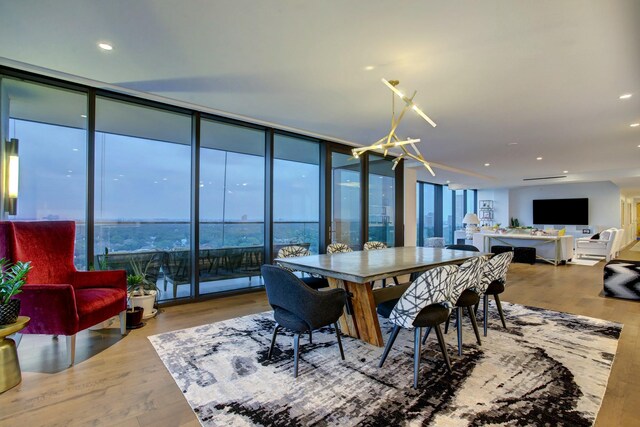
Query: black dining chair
{"points": [[299, 308], [469, 248], [425, 304]]}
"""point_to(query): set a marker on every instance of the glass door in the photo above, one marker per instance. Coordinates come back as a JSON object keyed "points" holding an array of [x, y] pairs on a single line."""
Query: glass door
{"points": [[346, 215]]}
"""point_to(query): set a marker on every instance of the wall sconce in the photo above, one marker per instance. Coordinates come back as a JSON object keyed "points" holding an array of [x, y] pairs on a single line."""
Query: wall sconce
{"points": [[13, 174]]}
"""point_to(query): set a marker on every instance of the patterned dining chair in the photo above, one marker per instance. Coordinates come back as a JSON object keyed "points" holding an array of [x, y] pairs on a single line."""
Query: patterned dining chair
{"points": [[313, 281], [374, 245], [465, 295], [493, 281], [338, 248], [425, 304]]}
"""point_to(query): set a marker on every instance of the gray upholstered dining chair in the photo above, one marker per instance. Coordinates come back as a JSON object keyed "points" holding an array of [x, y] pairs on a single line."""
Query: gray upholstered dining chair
{"points": [[425, 304], [493, 281], [316, 282], [299, 308]]}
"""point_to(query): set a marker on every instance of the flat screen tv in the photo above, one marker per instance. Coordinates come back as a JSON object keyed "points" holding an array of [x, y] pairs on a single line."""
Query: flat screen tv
{"points": [[561, 212]]}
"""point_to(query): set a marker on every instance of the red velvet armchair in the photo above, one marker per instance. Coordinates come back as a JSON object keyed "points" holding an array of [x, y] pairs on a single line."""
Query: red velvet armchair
{"points": [[59, 299]]}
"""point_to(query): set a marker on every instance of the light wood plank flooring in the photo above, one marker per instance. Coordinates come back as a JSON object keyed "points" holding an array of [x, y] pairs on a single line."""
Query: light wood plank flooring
{"points": [[121, 381]]}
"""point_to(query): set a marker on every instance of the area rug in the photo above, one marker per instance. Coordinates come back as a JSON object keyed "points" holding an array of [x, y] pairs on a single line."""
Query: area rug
{"points": [[547, 368], [636, 247], [586, 260]]}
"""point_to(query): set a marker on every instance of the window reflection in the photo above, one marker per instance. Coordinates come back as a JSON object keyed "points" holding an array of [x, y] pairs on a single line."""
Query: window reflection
{"points": [[381, 201], [52, 152], [345, 200]]}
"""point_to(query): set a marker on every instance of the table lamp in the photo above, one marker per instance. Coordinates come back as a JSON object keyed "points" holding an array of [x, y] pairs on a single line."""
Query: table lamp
{"points": [[472, 221]]}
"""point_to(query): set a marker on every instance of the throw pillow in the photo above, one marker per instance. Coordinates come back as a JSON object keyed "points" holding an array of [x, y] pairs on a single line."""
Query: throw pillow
{"points": [[595, 236], [562, 232]]}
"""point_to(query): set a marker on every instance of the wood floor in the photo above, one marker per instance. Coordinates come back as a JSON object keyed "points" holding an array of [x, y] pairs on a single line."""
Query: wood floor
{"points": [[121, 381]]}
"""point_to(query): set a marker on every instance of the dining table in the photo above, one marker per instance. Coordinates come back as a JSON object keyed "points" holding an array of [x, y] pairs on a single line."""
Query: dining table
{"points": [[357, 271]]}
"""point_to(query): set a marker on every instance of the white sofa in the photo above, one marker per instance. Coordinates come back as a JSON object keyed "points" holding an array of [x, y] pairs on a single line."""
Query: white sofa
{"points": [[607, 245]]}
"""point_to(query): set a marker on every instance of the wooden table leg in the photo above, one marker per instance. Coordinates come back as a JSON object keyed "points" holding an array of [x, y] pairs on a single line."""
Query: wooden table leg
{"points": [[347, 324], [364, 313]]}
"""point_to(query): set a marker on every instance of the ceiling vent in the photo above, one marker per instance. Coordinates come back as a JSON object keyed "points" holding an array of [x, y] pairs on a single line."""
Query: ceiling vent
{"points": [[544, 177]]}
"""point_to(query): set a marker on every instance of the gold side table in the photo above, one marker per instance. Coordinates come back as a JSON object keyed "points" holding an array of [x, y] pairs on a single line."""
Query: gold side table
{"points": [[10, 375]]}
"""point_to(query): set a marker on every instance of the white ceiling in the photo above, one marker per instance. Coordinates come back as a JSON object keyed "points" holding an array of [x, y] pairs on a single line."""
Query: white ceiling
{"points": [[544, 74]]}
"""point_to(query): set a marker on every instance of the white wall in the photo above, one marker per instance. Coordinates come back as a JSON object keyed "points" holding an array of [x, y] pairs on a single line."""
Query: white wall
{"points": [[410, 224], [604, 202]]}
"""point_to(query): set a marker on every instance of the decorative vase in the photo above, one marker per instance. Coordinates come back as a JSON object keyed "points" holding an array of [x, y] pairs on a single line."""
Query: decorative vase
{"points": [[134, 318], [9, 312]]}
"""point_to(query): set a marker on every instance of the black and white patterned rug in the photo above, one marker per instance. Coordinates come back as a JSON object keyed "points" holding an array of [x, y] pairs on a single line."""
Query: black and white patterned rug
{"points": [[548, 368]]}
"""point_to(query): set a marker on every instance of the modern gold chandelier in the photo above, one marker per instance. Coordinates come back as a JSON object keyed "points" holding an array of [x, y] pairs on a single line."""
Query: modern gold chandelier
{"points": [[391, 140]]}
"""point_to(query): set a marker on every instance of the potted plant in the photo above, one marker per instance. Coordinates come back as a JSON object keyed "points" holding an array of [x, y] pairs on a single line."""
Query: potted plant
{"points": [[12, 277], [134, 313], [144, 292]]}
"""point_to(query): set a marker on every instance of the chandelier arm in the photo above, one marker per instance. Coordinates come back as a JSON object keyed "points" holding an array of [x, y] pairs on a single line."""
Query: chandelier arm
{"points": [[394, 127], [423, 161]]}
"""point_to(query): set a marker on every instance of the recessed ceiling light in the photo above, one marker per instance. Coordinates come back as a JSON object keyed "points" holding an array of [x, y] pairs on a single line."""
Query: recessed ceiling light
{"points": [[538, 158], [512, 143], [105, 46], [487, 164], [84, 116], [369, 68], [565, 171], [635, 125], [638, 146], [625, 96], [448, 182]]}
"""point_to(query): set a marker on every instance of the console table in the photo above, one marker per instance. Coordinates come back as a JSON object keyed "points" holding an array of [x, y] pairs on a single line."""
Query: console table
{"points": [[551, 249]]}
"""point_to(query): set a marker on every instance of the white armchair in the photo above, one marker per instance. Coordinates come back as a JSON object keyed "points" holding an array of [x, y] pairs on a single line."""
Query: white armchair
{"points": [[617, 244], [604, 246]]}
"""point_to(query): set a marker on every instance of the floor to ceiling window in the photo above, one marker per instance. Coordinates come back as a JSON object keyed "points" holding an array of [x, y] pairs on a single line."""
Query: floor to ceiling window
{"points": [[440, 211], [296, 193], [345, 200], [231, 206], [49, 125], [136, 214], [459, 208], [142, 193], [471, 202], [382, 195], [426, 215], [448, 224]]}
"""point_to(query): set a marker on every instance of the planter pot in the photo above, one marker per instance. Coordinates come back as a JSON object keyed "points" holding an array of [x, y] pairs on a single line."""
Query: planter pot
{"points": [[134, 318], [146, 302], [9, 312]]}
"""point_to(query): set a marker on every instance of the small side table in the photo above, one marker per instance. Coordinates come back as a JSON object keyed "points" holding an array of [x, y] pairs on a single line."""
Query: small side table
{"points": [[10, 375]]}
